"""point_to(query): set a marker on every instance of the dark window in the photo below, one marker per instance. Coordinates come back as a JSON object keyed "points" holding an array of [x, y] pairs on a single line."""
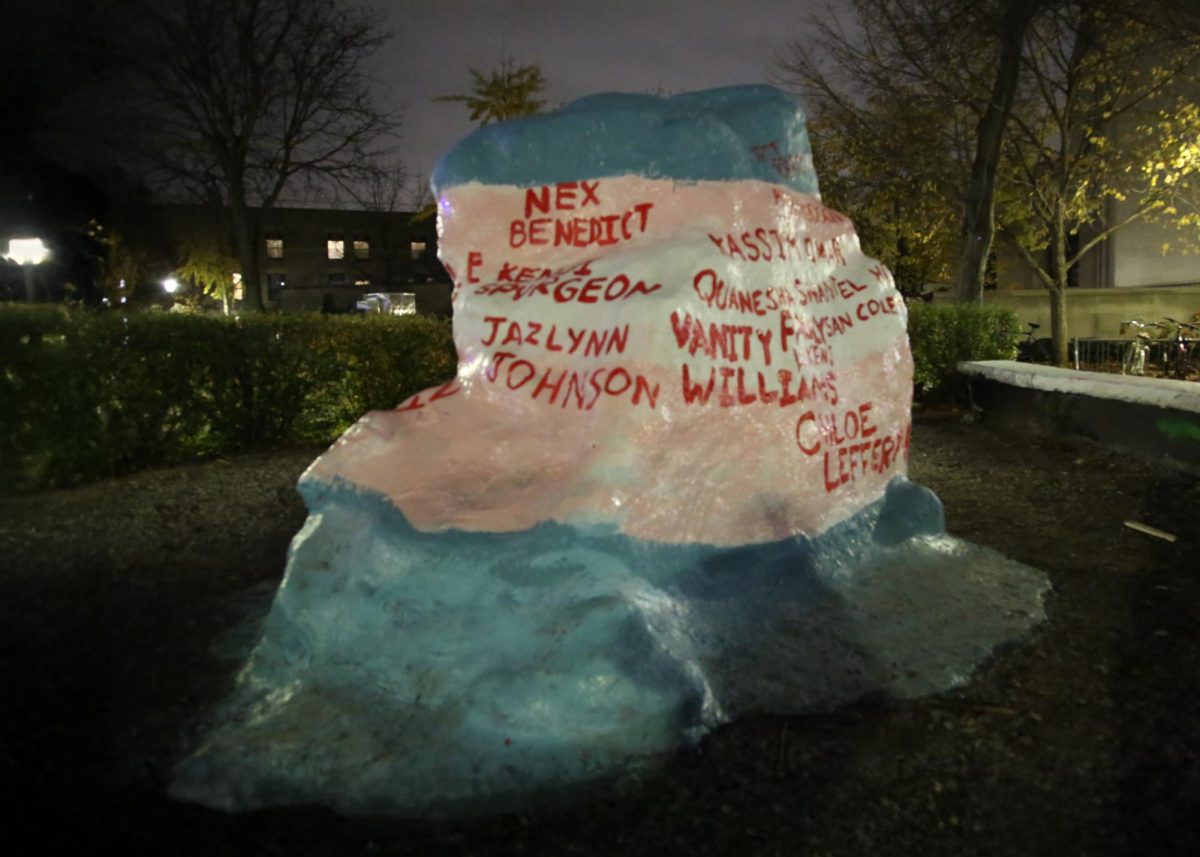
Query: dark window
{"points": [[362, 247], [275, 282], [337, 278]]}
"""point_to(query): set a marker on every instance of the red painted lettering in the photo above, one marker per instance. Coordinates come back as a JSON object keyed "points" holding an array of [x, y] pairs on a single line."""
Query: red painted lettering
{"points": [[546, 384], [696, 392], [564, 196], [589, 193], [537, 199], [495, 322], [808, 435]]}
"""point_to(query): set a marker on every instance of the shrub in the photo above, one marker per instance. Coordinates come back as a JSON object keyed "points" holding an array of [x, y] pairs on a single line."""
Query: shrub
{"points": [[48, 395], [85, 395], [380, 360], [943, 335]]}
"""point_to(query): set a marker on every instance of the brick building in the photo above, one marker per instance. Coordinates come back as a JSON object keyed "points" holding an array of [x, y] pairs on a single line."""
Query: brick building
{"points": [[311, 257]]}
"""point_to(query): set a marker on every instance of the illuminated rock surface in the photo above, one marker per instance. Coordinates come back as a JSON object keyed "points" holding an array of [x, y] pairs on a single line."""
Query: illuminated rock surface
{"points": [[666, 487]]}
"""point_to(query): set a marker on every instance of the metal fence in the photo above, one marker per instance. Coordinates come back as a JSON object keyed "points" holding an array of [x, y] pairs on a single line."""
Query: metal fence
{"points": [[1110, 355]]}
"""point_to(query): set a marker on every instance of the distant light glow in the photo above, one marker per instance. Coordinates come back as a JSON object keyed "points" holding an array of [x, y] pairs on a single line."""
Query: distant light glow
{"points": [[171, 285], [27, 251]]}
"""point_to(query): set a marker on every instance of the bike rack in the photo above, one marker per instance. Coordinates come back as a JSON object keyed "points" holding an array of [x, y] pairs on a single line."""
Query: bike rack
{"points": [[1096, 353]]}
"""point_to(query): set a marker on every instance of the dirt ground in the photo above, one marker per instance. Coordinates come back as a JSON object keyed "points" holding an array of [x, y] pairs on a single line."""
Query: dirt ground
{"points": [[116, 600]]}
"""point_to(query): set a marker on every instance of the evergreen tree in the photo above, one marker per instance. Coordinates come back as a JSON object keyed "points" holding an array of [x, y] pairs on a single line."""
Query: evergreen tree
{"points": [[508, 92]]}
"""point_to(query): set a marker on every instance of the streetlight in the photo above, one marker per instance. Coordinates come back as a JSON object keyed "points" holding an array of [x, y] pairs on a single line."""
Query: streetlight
{"points": [[28, 252], [171, 286]]}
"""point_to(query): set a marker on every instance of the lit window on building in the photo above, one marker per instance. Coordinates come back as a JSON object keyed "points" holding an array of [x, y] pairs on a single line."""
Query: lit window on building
{"points": [[237, 285], [337, 278], [363, 280], [335, 246], [274, 245], [362, 247], [418, 250]]}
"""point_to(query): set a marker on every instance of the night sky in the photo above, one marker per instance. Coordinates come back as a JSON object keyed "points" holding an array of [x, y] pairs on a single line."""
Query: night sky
{"points": [[51, 111], [583, 47]]}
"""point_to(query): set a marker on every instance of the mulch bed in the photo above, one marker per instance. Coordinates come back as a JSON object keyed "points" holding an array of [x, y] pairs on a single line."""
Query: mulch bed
{"points": [[116, 601]]}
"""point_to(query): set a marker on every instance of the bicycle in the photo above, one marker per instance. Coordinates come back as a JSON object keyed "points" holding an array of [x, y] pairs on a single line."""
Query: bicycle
{"points": [[1183, 358], [1133, 361], [1035, 350]]}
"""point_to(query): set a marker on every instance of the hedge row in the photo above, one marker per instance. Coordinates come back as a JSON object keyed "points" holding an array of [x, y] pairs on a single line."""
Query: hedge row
{"points": [[943, 335], [85, 395]]}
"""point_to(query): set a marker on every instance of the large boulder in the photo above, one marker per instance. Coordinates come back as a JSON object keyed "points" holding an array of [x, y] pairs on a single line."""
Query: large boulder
{"points": [[666, 486]]}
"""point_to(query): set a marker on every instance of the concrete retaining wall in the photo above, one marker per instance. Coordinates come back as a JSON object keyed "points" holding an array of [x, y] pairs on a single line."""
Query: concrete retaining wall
{"points": [[1148, 417]]}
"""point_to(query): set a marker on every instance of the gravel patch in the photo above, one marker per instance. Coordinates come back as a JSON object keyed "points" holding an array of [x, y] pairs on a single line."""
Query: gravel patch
{"points": [[119, 604]]}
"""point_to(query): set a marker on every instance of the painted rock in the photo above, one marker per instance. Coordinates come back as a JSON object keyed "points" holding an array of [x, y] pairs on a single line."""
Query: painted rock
{"points": [[666, 486], [659, 326]]}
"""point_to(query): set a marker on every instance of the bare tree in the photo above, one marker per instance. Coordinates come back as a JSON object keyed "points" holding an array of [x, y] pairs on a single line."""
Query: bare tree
{"points": [[954, 66], [240, 99], [386, 195], [1174, 16], [420, 195], [1018, 98], [979, 199]]}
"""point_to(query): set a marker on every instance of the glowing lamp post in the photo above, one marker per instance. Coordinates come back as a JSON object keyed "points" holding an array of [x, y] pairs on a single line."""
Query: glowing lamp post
{"points": [[28, 252], [171, 286]]}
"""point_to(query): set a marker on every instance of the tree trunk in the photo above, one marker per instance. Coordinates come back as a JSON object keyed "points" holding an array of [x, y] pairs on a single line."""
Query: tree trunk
{"points": [[1058, 292], [244, 236], [1058, 323], [979, 202]]}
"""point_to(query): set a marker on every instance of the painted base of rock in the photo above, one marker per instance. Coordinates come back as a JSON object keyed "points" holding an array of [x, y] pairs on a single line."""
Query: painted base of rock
{"points": [[407, 672]]}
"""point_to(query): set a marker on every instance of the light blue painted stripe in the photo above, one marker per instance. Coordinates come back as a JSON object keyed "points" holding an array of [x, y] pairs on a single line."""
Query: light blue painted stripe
{"points": [[729, 134]]}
